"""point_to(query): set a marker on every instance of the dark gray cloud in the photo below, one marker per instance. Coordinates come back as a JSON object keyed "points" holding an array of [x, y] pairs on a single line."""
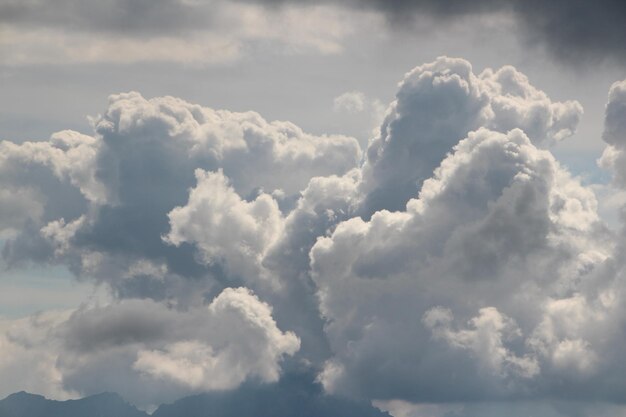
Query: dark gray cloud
{"points": [[138, 17], [296, 394], [574, 31]]}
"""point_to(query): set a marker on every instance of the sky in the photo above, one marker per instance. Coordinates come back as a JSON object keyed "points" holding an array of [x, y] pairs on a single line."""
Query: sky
{"points": [[418, 203]]}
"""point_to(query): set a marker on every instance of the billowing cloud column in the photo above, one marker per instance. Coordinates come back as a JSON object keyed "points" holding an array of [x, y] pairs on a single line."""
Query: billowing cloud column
{"points": [[499, 231], [437, 105]]}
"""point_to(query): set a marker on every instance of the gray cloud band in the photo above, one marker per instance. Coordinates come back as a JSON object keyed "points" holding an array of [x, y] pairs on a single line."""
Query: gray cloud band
{"points": [[572, 30]]}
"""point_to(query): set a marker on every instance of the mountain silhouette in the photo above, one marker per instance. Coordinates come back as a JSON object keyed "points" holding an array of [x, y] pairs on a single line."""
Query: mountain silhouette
{"points": [[23, 404], [293, 396]]}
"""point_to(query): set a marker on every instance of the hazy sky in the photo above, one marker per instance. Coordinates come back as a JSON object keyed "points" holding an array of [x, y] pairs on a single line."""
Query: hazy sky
{"points": [[416, 201]]}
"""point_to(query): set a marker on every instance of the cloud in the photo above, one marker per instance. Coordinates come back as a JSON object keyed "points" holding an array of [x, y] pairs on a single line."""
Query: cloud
{"points": [[350, 102], [226, 228], [43, 181], [500, 229], [614, 134], [521, 408], [437, 104], [458, 262], [193, 33], [45, 46], [485, 339], [323, 204], [592, 31], [126, 31], [149, 351], [297, 393], [137, 167], [252, 345], [252, 152], [133, 188], [28, 360]]}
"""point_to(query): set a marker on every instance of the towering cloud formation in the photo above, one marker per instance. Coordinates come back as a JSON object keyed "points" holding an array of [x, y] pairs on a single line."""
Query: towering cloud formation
{"points": [[436, 106], [459, 261], [499, 231]]}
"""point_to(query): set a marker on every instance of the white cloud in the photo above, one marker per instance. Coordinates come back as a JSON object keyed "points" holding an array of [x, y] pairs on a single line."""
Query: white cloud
{"points": [[138, 167], [436, 106], [351, 102], [246, 343], [152, 352], [493, 278], [225, 227], [516, 103], [28, 357], [70, 156], [498, 229], [485, 339], [252, 152]]}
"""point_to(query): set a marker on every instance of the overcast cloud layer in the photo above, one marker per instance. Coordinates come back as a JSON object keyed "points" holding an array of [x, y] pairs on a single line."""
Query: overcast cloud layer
{"points": [[203, 32], [453, 262], [573, 31]]}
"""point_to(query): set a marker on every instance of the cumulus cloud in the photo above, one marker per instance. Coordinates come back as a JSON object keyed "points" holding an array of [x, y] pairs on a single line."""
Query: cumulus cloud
{"points": [[499, 229], [151, 352], [250, 345], [137, 167], [485, 339], [459, 262], [436, 106], [351, 102], [225, 227], [69, 156], [42, 182], [252, 152]]}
